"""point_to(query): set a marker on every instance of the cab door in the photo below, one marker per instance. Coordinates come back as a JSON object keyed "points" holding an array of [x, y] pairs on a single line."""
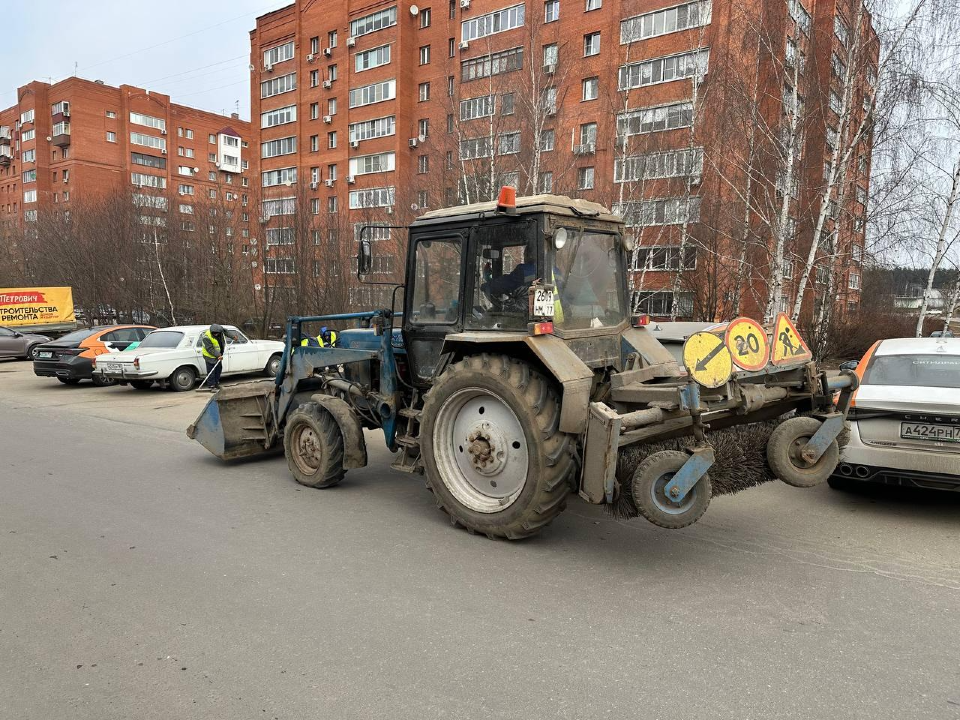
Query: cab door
{"points": [[241, 355], [434, 298]]}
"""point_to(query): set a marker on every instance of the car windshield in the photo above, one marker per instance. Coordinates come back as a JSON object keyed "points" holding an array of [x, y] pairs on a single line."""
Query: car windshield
{"points": [[161, 339], [941, 371], [78, 335]]}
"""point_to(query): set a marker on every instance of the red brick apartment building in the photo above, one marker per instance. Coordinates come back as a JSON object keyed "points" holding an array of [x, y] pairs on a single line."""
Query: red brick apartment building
{"points": [[374, 111], [78, 140]]}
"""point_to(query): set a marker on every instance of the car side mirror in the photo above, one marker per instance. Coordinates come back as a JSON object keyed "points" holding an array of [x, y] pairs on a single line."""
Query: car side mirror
{"points": [[365, 257], [17, 334]]}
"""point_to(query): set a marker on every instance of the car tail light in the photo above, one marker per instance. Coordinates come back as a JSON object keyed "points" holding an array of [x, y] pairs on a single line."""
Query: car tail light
{"points": [[640, 320], [541, 328], [136, 363]]}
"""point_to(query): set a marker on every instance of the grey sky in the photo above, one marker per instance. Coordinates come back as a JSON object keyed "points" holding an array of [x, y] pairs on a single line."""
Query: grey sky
{"points": [[197, 51]]}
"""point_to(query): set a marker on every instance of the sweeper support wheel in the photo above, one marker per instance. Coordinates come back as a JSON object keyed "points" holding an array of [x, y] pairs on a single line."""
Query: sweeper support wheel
{"points": [[792, 456]]}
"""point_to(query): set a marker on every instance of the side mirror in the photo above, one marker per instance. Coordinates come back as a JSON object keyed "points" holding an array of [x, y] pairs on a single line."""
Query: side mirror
{"points": [[17, 334], [849, 364], [365, 257]]}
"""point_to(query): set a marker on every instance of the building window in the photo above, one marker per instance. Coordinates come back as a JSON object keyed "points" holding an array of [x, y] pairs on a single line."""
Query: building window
{"points": [[331, 106], [314, 45], [423, 164], [185, 152], [422, 199], [547, 140], [332, 204], [278, 54], [314, 78], [212, 139], [332, 140], [425, 18], [373, 22], [451, 47], [371, 198], [492, 23], [660, 303], [551, 11], [280, 116], [840, 30], [662, 22], [332, 39], [148, 141], [368, 164], [449, 160], [185, 190], [274, 86], [450, 82], [423, 126], [477, 107], [585, 178], [332, 171], [279, 266], [369, 129], [212, 176], [593, 5], [661, 211], [375, 57], [507, 104], [655, 119], [493, 64], [453, 9], [281, 146], [424, 91], [854, 281], [314, 143], [111, 136], [550, 100], [551, 55], [658, 165], [800, 15], [331, 72], [546, 182], [148, 120], [591, 44], [664, 69], [111, 115], [591, 88], [281, 176], [315, 111], [857, 253], [425, 55], [665, 257], [370, 94], [314, 206]]}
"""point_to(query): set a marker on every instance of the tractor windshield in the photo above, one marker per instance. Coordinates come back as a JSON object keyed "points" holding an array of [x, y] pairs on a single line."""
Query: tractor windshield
{"points": [[589, 275]]}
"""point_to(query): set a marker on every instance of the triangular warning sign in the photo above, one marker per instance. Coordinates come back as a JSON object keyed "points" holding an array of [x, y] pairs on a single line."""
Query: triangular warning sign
{"points": [[786, 346]]}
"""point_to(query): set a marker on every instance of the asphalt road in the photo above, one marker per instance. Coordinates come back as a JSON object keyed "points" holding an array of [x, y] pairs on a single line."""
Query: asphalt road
{"points": [[141, 578]]}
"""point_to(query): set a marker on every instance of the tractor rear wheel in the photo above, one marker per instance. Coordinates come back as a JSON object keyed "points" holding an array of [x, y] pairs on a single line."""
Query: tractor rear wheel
{"points": [[649, 491], [784, 453], [313, 446], [493, 452]]}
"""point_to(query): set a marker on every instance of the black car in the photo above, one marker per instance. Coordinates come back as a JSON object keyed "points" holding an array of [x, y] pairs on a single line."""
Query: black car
{"points": [[70, 359]]}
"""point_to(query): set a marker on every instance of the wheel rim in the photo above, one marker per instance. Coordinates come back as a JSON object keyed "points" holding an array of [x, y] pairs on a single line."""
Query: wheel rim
{"points": [[273, 366], [796, 453], [664, 503], [480, 450], [184, 379], [307, 452]]}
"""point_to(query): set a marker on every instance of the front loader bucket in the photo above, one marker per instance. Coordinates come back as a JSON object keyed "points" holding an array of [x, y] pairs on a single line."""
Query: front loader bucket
{"points": [[238, 422]]}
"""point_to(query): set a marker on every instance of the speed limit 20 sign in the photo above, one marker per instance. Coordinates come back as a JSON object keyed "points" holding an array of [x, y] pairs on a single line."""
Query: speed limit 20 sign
{"points": [[747, 342]]}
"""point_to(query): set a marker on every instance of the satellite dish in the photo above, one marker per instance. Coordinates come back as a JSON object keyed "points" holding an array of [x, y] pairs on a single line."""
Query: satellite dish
{"points": [[257, 286], [254, 264], [414, 207], [252, 68], [414, 10]]}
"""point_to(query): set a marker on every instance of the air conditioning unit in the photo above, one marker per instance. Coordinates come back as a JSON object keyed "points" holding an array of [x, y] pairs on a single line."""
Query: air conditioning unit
{"points": [[327, 84], [163, 152], [328, 119], [549, 69], [216, 164], [551, 111], [351, 42], [314, 185], [389, 209], [268, 67], [354, 144], [413, 142], [311, 57], [464, 45], [351, 179], [327, 52], [163, 132], [464, 4], [328, 182]]}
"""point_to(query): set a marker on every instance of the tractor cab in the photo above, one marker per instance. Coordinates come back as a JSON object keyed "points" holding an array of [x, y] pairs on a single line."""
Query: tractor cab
{"points": [[501, 271]]}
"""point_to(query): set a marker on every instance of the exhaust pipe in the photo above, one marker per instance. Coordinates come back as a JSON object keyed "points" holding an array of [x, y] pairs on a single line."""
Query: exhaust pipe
{"points": [[862, 471], [845, 469]]}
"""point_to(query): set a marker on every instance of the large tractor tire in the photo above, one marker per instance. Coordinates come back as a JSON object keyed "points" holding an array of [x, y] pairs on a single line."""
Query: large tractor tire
{"points": [[493, 452], [785, 458], [313, 446], [649, 491]]}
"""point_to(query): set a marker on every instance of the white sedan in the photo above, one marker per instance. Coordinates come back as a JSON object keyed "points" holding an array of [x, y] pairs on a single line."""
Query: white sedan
{"points": [[172, 356], [905, 421]]}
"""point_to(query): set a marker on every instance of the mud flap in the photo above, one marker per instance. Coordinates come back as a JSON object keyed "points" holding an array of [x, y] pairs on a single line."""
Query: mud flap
{"points": [[354, 443]]}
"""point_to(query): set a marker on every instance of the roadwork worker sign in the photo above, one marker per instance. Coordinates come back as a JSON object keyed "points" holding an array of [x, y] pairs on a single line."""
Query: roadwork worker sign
{"points": [[788, 347], [747, 342], [36, 306], [707, 359]]}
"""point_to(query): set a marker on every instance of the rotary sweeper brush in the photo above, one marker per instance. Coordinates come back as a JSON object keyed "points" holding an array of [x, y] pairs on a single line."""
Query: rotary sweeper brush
{"points": [[511, 373]]}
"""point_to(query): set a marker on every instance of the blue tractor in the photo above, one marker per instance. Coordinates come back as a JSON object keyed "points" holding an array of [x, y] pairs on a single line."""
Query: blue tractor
{"points": [[512, 374]]}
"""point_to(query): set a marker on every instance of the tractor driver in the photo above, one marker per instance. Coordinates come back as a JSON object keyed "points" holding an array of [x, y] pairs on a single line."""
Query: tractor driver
{"points": [[521, 276]]}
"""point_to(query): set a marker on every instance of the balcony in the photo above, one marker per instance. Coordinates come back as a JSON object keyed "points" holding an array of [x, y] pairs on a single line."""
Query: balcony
{"points": [[6, 155], [61, 135], [585, 149], [6, 135]]}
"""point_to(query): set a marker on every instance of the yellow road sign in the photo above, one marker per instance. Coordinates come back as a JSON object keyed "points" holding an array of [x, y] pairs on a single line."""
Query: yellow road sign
{"points": [[747, 342], [707, 359], [788, 347]]}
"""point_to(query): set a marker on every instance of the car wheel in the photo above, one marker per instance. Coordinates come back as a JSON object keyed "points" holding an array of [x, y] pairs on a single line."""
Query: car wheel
{"points": [[101, 381], [183, 379], [69, 381], [32, 352], [273, 366]]}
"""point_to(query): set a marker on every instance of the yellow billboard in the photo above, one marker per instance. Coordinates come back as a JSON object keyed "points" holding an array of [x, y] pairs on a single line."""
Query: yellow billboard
{"points": [[37, 306]]}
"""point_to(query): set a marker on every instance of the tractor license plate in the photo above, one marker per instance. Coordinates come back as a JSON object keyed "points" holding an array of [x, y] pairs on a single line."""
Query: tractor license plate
{"points": [[923, 431], [44, 354], [543, 303]]}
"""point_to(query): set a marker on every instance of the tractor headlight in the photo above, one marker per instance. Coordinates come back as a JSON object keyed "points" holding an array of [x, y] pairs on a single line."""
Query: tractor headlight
{"points": [[560, 238], [629, 242]]}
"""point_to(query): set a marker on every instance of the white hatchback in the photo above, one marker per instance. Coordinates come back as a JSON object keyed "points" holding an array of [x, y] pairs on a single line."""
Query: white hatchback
{"points": [[905, 419]]}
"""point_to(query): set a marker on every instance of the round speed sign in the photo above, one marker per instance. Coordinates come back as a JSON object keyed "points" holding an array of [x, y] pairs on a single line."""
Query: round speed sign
{"points": [[747, 342]]}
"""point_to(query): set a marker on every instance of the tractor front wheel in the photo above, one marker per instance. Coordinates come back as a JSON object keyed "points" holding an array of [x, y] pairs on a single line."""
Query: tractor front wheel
{"points": [[313, 445], [493, 452], [785, 453]]}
